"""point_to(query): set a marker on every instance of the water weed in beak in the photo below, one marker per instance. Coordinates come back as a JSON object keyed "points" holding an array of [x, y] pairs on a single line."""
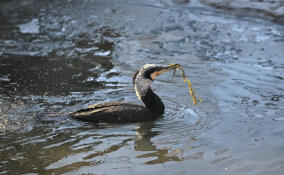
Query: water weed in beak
{"points": [[194, 96]]}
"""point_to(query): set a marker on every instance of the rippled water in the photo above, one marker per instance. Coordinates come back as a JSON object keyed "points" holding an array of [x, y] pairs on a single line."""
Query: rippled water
{"points": [[61, 56]]}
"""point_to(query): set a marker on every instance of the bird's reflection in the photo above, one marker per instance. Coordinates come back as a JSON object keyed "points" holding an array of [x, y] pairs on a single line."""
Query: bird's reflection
{"points": [[145, 133], [144, 143], [66, 149]]}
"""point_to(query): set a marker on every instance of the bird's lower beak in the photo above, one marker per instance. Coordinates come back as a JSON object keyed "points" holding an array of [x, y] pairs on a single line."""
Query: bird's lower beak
{"points": [[163, 69]]}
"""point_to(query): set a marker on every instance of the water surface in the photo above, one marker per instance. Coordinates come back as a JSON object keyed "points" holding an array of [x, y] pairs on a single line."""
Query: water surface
{"points": [[61, 56]]}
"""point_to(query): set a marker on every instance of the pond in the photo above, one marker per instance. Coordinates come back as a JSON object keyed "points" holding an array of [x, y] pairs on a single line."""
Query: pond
{"points": [[61, 56]]}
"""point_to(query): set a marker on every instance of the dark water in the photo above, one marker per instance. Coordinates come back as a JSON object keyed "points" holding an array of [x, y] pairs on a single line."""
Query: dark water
{"points": [[60, 56]]}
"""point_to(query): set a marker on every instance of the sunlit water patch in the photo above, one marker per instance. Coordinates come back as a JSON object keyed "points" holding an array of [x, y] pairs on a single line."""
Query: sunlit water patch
{"points": [[31, 27]]}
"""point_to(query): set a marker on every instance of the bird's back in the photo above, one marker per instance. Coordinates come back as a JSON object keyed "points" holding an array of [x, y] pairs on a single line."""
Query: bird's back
{"points": [[114, 112]]}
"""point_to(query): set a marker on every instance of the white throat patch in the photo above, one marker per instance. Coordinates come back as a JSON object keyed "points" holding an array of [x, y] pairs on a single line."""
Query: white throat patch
{"points": [[142, 84]]}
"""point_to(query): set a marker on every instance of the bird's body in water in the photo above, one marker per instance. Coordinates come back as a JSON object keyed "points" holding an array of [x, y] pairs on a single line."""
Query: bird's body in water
{"points": [[123, 112]]}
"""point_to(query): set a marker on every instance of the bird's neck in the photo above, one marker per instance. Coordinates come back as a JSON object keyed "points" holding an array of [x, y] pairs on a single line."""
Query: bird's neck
{"points": [[153, 102]]}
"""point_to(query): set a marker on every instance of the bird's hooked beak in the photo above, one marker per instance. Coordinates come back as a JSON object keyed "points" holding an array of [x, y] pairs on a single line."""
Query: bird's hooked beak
{"points": [[163, 69]]}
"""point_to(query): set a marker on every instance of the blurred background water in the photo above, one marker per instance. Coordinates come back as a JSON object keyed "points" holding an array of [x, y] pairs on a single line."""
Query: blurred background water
{"points": [[61, 56]]}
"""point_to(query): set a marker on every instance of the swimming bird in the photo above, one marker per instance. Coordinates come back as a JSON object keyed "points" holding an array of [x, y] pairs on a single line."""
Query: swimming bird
{"points": [[124, 112]]}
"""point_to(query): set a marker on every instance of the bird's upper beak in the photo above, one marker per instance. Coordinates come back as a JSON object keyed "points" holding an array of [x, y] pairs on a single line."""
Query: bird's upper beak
{"points": [[167, 68]]}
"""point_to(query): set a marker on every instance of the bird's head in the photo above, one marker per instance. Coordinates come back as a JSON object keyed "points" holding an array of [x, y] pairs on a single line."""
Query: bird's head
{"points": [[151, 71], [144, 77]]}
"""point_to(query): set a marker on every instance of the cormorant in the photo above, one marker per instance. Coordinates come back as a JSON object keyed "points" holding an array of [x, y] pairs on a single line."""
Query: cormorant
{"points": [[123, 112]]}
